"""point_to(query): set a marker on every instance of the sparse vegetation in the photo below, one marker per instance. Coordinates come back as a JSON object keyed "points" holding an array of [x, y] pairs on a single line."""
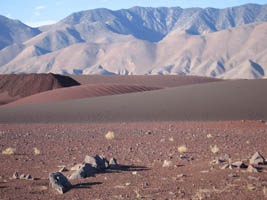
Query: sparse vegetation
{"points": [[110, 135], [214, 149], [9, 151], [264, 191], [251, 187], [209, 136], [182, 149], [36, 151]]}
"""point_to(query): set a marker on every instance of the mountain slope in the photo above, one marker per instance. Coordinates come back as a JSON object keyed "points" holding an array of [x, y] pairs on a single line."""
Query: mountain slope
{"points": [[225, 43], [242, 54], [13, 31]]}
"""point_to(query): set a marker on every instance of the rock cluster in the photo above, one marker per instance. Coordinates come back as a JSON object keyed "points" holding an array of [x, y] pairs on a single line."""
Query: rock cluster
{"points": [[90, 166], [256, 159], [22, 176]]}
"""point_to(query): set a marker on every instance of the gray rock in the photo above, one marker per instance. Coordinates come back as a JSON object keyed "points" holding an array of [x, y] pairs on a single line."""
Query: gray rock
{"points": [[63, 169], [149, 132], [217, 161], [113, 164], [25, 176], [225, 166], [252, 169], [59, 182], [257, 159], [85, 171], [97, 162], [167, 163], [76, 167], [15, 175], [233, 175], [239, 164]]}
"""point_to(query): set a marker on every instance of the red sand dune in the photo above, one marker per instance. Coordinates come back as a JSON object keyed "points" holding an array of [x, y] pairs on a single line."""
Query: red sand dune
{"points": [[226, 100], [99, 85], [13, 87], [147, 80], [80, 92]]}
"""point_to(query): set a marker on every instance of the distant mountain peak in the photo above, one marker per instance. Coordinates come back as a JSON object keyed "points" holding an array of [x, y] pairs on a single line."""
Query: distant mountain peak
{"points": [[142, 40]]}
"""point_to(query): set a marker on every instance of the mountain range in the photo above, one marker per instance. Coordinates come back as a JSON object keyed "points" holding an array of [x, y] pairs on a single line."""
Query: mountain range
{"points": [[223, 43]]}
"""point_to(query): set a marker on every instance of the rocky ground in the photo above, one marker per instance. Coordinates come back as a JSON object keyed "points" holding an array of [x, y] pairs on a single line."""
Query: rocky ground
{"points": [[152, 164]]}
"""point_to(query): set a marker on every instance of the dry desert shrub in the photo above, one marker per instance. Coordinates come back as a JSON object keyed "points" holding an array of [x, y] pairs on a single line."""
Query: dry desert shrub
{"points": [[209, 136], [182, 149], [251, 187], [9, 151], [264, 191], [214, 149], [36, 151], [110, 135]]}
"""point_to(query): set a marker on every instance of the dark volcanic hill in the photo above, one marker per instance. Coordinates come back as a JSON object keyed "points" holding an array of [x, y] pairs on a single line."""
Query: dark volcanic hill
{"points": [[13, 87]]}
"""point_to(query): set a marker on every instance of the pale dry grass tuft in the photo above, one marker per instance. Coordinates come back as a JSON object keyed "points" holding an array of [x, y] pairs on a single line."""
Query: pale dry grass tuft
{"points": [[214, 149], [36, 151], [209, 136], [110, 135], [9, 151], [182, 149], [264, 191], [251, 187]]}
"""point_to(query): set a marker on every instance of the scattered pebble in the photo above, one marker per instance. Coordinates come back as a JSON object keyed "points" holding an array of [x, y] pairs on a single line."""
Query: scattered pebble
{"points": [[233, 175], [167, 163]]}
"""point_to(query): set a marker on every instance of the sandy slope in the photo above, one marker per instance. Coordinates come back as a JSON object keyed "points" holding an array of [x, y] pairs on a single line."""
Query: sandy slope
{"points": [[228, 100], [13, 87], [147, 80], [80, 92]]}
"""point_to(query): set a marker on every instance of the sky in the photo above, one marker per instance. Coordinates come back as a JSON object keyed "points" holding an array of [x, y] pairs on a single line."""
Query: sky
{"points": [[42, 12]]}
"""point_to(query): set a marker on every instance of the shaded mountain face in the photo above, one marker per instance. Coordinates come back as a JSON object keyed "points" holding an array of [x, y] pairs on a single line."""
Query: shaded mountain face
{"points": [[141, 41], [13, 31]]}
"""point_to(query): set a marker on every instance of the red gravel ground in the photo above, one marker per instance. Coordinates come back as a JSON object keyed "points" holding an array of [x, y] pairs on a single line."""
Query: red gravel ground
{"points": [[144, 178]]}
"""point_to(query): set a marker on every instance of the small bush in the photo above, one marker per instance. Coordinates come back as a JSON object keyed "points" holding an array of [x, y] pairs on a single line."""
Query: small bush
{"points": [[36, 151], [182, 149], [110, 135], [209, 136], [9, 151], [214, 149]]}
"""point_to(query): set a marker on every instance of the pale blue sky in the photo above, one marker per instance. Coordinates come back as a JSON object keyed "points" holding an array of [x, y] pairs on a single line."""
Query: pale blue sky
{"points": [[39, 12]]}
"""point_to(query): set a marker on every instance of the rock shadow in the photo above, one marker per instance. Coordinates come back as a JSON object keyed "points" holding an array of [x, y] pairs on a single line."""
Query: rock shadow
{"points": [[85, 185], [123, 168]]}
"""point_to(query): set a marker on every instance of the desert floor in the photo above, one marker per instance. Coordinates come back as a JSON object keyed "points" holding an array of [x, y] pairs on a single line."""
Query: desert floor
{"points": [[140, 149]]}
